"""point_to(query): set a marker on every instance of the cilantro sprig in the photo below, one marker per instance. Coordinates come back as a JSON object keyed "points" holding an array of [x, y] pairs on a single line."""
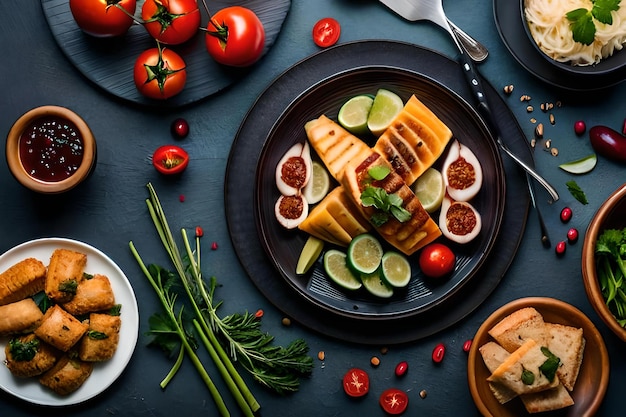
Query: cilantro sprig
{"points": [[387, 204], [582, 22]]}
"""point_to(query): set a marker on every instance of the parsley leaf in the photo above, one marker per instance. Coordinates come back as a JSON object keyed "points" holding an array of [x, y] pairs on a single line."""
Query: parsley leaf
{"points": [[549, 367], [582, 22], [386, 203], [577, 192], [602, 10]]}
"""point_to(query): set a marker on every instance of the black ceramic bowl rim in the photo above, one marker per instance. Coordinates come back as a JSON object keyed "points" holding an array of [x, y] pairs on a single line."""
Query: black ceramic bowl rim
{"points": [[604, 67]]}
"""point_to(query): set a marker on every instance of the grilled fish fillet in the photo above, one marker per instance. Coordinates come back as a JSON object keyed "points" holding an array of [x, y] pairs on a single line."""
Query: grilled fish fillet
{"points": [[22, 280]]}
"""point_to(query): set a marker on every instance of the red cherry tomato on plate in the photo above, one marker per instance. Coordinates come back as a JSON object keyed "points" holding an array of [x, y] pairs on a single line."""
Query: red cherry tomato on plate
{"points": [[394, 401], [326, 32], [160, 73], [436, 260], [103, 18], [235, 37], [356, 382], [170, 159], [171, 21]]}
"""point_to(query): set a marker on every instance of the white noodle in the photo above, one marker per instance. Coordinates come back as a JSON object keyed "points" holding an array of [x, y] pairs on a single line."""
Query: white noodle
{"points": [[550, 29]]}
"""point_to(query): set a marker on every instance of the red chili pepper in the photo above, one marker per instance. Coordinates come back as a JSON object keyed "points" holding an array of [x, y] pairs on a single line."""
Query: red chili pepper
{"points": [[214, 246], [467, 345], [199, 231], [439, 352]]}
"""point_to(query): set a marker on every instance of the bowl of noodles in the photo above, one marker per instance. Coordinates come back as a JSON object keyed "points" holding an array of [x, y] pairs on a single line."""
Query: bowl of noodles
{"points": [[573, 37]]}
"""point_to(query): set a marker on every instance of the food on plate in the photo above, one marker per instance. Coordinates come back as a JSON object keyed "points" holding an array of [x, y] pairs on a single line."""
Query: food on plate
{"points": [[430, 189], [436, 260], [103, 18], [102, 337], [326, 32], [309, 254], [318, 185], [534, 360], [608, 142], [67, 375], [459, 220], [395, 269], [376, 285], [353, 114], [19, 317], [235, 37], [60, 329], [159, 73], [365, 254], [385, 108], [65, 271], [171, 22], [336, 267], [94, 293], [293, 171], [24, 279], [568, 31], [291, 210], [462, 173], [28, 356]]}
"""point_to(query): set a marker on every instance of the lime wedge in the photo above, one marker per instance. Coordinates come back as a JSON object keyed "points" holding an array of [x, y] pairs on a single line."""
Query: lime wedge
{"points": [[580, 166], [396, 269], [385, 108], [430, 189], [310, 252], [364, 254], [318, 184], [353, 114], [375, 285], [338, 271]]}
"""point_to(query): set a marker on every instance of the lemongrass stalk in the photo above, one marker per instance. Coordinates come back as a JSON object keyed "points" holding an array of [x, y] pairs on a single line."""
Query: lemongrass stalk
{"points": [[167, 304], [175, 368]]}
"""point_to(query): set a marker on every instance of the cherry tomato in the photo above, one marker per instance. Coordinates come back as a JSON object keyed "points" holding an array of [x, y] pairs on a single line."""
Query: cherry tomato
{"points": [[170, 159], [326, 32], [171, 21], [356, 382], [103, 18], [436, 260], [159, 73], [235, 37], [394, 401]]}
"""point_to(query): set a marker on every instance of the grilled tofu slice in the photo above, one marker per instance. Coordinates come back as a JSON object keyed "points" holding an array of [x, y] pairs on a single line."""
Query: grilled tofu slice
{"points": [[24, 279], [408, 236], [65, 271], [101, 340], [67, 375], [60, 329], [93, 294]]}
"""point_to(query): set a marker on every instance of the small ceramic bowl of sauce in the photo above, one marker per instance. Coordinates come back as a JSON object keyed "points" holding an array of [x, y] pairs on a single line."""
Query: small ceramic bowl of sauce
{"points": [[50, 149]]}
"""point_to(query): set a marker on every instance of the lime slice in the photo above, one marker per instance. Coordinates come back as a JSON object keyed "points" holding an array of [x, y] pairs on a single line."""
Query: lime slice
{"points": [[430, 189], [310, 252], [375, 285], [338, 271], [318, 184], [365, 253], [396, 269], [353, 114], [385, 108], [580, 166]]}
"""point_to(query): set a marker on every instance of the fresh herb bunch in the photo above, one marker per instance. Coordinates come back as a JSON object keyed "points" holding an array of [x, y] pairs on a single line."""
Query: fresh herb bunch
{"points": [[582, 22], [611, 267], [387, 204], [276, 367]]}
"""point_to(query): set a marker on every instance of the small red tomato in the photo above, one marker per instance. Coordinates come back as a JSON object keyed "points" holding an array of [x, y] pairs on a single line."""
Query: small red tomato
{"points": [[170, 159], [572, 235], [326, 32], [159, 73], [180, 128], [566, 214], [235, 37], [580, 127], [356, 382], [171, 21], [439, 352], [103, 18], [560, 248], [436, 260], [394, 401], [402, 368]]}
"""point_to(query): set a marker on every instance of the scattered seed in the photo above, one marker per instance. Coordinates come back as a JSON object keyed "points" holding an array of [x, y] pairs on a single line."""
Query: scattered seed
{"points": [[286, 321], [524, 97], [423, 394], [214, 246], [508, 89], [566, 214], [559, 103], [554, 151], [529, 109], [533, 120], [533, 142], [552, 121], [548, 143], [375, 361], [321, 355], [539, 131], [384, 350], [467, 345], [439, 352]]}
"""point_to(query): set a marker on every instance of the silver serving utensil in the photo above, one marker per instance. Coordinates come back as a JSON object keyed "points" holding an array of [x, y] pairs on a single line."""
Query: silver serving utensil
{"points": [[432, 10], [476, 50], [545, 239]]}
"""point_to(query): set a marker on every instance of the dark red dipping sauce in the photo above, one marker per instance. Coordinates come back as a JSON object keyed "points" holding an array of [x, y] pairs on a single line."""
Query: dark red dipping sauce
{"points": [[51, 149]]}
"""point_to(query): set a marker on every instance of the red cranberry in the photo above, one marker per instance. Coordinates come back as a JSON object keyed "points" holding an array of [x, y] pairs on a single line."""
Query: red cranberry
{"points": [[467, 345], [439, 352], [572, 235], [402, 368], [566, 214], [560, 248], [580, 127], [180, 128]]}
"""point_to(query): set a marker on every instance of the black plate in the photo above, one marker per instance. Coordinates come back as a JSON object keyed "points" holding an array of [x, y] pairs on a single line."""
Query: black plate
{"points": [[283, 246], [510, 26], [109, 62], [240, 193]]}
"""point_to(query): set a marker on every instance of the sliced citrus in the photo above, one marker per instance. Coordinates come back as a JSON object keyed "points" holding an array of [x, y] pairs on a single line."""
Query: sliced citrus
{"points": [[318, 184], [337, 270], [365, 253], [430, 189], [580, 166], [375, 285], [310, 252], [354, 112], [385, 108], [396, 269]]}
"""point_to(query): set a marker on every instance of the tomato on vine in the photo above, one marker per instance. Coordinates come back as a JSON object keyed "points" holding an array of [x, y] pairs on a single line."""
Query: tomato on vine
{"points": [[235, 37], [171, 22], [159, 73], [103, 18]]}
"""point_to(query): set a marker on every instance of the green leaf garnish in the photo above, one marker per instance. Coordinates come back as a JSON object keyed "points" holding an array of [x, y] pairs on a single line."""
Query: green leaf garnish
{"points": [[582, 22], [388, 204], [577, 192], [23, 351], [379, 172], [528, 377], [549, 367], [602, 10]]}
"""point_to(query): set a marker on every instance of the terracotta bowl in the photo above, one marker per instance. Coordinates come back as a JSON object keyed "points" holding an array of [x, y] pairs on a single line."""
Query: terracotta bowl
{"points": [[81, 169], [610, 215], [593, 378]]}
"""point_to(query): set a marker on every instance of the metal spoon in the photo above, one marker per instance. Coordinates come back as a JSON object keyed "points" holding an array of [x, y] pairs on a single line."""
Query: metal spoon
{"points": [[476, 50]]}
